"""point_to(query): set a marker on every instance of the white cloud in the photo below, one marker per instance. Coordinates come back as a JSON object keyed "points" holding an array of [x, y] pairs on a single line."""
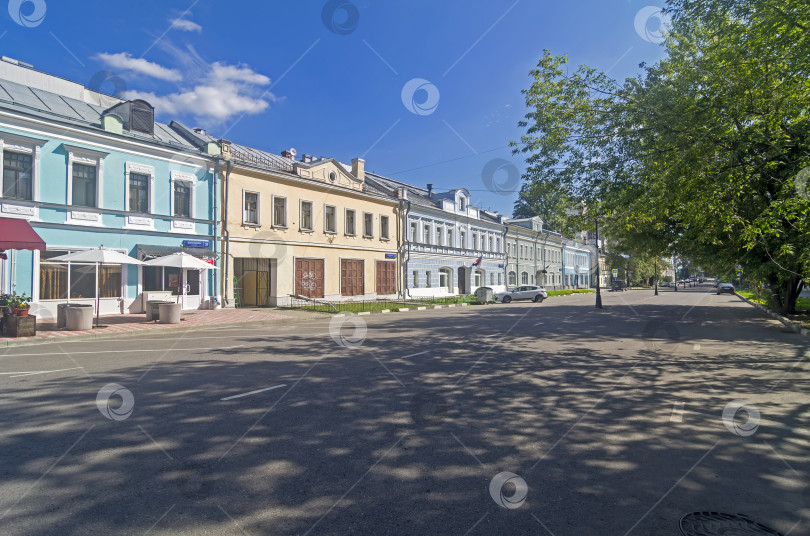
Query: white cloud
{"points": [[123, 61], [186, 25], [223, 92]]}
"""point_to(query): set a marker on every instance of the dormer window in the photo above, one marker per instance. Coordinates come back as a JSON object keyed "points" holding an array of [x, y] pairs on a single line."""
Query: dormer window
{"points": [[462, 204]]}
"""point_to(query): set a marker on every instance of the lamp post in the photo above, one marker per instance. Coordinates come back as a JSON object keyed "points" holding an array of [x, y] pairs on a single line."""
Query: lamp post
{"points": [[655, 276], [598, 282]]}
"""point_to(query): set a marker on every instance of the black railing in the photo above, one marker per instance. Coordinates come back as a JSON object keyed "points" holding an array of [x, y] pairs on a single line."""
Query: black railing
{"points": [[372, 305]]}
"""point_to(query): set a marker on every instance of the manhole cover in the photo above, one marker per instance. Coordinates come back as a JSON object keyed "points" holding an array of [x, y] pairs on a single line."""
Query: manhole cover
{"points": [[718, 524]]}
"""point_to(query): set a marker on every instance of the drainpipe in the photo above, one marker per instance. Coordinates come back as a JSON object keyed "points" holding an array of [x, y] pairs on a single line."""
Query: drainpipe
{"points": [[505, 258], [406, 290], [226, 232], [217, 170]]}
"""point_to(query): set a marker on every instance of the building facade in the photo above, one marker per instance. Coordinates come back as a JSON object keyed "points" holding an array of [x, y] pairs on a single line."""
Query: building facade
{"points": [[449, 247], [576, 267], [311, 228], [88, 170], [533, 254]]}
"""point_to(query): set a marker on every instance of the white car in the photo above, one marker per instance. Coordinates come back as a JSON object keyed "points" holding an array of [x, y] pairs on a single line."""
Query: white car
{"points": [[523, 292]]}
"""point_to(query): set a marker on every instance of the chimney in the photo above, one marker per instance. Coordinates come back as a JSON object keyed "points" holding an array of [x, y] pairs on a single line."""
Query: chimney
{"points": [[402, 193], [287, 154], [430, 189], [359, 168], [306, 158], [200, 131]]}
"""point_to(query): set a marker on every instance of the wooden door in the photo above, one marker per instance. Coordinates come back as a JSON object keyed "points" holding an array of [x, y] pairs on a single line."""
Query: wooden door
{"points": [[351, 277], [309, 277], [386, 277]]}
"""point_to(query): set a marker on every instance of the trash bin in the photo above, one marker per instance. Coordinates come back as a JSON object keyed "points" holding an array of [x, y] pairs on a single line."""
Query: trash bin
{"points": [[61, 316], [169, 313], [152, 312], [79, 317], [483, 295]]}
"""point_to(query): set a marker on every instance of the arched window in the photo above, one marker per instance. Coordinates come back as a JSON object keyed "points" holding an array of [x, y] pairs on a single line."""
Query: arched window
{"points": [[512, 279], [524, 278]]}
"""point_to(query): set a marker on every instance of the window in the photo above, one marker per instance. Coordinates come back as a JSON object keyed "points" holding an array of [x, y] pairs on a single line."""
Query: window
{"points": [[428, 279], [508, 248], [329, 219], [279, 212], [478, 277], [368, 225], [463, 237], [524, 278], [497, 245], [182, 199], [490, 244], [414, 232], [499, 279], [384, 232], [512, 279], [306, 215], [444, 278], [491, 279], [84, 185], [450, 238], [438, 236], [250, 208], [427, 234], [58, 280], [462, 204], [475, 241], [18, 175], [415, 279], [350, 223]]}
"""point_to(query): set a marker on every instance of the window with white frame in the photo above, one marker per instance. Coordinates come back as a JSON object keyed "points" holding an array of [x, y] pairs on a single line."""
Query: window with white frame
{"points": [[438, 236], [512, 281], [415, 279], [385, 232], [462, 239], [250, 208], [499, 278], [351, 222], [462, 204], [450, 238], [329, 219], [183, 194], [279, 212], [428, 279], [20, 176], [414, 232], [524, 278], [444, 278], [475, 241], [140, 188], [490, 244], [426, 231], [306, 216], [368, 225], [84, 185]]}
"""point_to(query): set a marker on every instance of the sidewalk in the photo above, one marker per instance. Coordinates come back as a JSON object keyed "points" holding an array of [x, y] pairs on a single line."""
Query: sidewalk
{"points": [[134, 323]]}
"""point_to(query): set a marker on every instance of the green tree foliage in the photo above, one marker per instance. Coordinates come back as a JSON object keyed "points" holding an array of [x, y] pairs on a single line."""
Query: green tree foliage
{"points": [[703, 152], [552, 204]]}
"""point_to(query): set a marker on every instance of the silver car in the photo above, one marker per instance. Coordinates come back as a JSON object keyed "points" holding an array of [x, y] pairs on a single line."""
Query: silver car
{"points": [[523, 292]]}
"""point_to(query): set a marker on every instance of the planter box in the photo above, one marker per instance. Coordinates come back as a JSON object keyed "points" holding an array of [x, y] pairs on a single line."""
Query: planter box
{"points": [[19, 326]]}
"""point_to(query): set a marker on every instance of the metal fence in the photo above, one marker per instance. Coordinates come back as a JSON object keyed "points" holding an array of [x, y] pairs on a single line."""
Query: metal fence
{"points": [[360, 306]]}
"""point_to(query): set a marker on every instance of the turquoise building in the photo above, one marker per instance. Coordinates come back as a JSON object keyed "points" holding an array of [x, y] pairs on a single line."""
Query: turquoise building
{"points": [[87, 169]]}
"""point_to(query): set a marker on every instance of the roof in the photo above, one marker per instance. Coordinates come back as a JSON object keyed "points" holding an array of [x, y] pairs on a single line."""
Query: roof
{"points": [[389, 187], [48, 105]]}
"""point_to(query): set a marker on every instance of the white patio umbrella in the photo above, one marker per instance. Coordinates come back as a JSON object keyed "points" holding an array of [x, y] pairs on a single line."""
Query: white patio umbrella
{"points": [[98, 256], [184, 261]]}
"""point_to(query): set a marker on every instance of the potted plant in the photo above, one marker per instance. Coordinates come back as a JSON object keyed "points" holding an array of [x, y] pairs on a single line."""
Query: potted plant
{"points": [[4, 306], [19, 305]]}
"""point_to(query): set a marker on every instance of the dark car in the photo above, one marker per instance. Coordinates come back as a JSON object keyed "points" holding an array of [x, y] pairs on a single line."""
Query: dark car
{"points": [[618, 285], [725, 287]]}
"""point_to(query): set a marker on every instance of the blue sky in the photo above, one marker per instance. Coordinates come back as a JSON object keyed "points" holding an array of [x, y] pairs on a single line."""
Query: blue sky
{"points": [[425, 91]]}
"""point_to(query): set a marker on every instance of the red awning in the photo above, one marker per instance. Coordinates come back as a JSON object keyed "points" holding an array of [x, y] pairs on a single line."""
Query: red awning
{"points": [[18, 234]]}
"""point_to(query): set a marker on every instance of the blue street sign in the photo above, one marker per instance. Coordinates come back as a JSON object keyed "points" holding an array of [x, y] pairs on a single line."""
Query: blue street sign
{"points": [[196, 244], [390, 255], [500, 266]]}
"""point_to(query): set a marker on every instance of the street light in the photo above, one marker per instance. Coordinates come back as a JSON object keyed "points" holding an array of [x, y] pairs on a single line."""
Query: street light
{"points": [[655, 276], [598, 305]]}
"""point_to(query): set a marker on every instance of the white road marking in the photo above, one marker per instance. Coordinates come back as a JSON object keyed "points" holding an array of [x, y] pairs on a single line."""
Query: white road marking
{"points": [[414, 355], [677, 413], [254, 392], [124, 351], [31, 373], [696, 347]]}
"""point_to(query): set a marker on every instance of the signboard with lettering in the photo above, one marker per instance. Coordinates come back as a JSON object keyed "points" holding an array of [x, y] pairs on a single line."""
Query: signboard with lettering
{"points": [[196, 244], [500, 266], [615, 272], [390, 255]]}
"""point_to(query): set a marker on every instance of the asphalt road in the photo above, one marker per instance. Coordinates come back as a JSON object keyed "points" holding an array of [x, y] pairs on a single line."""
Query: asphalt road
{"points": [[605, 422]]}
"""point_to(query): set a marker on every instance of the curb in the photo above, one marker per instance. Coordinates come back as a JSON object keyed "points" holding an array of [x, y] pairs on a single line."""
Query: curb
{"points": [[786, 321]]}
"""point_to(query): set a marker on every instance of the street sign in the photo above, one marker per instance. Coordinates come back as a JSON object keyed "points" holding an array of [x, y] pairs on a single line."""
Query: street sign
{"points": [[390, 255], [615, 272], [196, 244], [500, 266]]}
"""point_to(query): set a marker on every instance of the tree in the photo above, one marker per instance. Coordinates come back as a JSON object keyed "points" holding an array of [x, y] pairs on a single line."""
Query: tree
{"points": [[702, 153], [549, 203]]}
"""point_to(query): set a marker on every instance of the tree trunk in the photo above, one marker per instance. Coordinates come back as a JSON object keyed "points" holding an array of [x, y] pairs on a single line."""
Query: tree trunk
{"points": [[792, 291]]}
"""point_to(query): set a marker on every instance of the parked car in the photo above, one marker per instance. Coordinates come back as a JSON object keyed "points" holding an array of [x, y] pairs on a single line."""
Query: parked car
{"points": [[725, 287], [523, 292], [618, 285], [664, 284]]}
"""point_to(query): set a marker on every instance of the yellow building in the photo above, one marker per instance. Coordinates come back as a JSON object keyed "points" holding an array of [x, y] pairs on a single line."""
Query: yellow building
{"points": [[310, 228]]}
